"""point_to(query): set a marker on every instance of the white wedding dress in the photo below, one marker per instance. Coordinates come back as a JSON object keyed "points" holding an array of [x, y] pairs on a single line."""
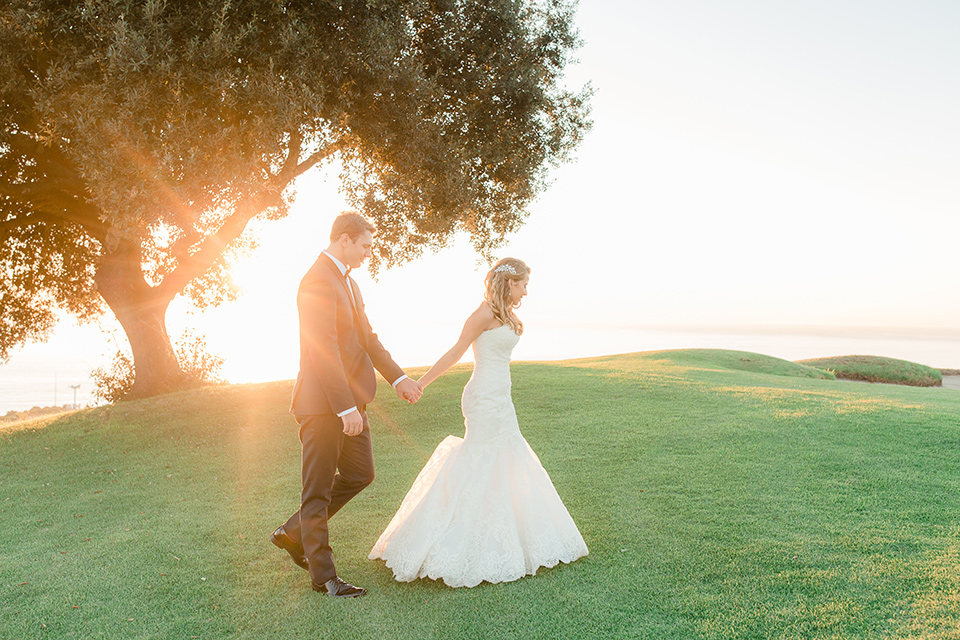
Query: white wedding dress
{"points": [[483, 507]]}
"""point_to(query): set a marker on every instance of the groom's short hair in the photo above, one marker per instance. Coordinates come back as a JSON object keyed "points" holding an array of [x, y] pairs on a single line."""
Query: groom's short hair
{"points": [[352, 224]]}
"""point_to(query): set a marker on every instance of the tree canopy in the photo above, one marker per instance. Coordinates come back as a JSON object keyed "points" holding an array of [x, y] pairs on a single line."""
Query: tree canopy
{"points": [[139, 137]]}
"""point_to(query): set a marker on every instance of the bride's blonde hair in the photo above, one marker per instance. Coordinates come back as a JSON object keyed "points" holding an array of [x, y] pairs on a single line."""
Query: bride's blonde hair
{"points": [[497, 294]]}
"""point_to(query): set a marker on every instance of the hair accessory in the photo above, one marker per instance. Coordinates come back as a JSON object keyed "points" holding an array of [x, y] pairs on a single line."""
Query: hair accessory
{"points": [[506, 268]]}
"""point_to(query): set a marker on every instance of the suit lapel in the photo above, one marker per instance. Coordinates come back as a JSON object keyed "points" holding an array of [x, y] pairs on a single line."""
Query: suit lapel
{"points": [[352, 296]]}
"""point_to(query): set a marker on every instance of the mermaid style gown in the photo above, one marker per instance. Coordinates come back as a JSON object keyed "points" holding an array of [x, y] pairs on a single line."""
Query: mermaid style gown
{"points": [[483, 507]]}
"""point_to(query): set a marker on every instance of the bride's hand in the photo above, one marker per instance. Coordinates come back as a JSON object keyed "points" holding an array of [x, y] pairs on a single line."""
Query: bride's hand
{"points": [[409, 390]]}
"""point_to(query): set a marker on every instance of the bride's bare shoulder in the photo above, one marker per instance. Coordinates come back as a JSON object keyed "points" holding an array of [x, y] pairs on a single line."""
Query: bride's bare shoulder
{"points": [[484, 311], [483, 317]]}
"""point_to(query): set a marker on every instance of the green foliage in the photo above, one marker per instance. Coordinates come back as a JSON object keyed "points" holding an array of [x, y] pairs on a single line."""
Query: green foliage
{"points": [[199, 367], [717, 504], [879, 369], [43, 269], [112, 383], [138, 138]]}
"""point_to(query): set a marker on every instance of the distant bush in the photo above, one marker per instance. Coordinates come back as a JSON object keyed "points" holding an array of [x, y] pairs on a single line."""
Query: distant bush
{"points": [[114, 382], [879, 369], [35, 412], [199, 367]]}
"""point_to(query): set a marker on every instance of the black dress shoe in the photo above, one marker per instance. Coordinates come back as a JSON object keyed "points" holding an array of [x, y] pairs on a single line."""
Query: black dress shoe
{"points": [[339, 589], [285, 542]]}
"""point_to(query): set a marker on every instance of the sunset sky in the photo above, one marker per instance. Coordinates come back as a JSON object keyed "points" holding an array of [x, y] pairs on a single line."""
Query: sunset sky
{"points": [[790, 164]]}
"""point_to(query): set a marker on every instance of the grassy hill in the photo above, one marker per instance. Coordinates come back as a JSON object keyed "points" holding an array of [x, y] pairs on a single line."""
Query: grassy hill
{"points": [[879, 369], [719, 497], [725, 360]]}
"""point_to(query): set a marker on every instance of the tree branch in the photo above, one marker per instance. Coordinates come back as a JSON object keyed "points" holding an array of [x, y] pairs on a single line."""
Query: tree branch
{"points": [[24, 144], [58, 205], [60, 193], [289, 173], [23, 221], [293, 157], [214, 245]]}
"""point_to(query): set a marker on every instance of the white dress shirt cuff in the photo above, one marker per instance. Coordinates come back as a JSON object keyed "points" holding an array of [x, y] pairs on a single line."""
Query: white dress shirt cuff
{"points": [[343, 413], [399, 380]]}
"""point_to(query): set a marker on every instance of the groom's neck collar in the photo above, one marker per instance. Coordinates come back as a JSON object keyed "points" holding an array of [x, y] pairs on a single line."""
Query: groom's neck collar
{"points": [[340, 265]]}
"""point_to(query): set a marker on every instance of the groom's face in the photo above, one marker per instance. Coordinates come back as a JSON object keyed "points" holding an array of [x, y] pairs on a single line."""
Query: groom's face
{"points": [[358, 250]]}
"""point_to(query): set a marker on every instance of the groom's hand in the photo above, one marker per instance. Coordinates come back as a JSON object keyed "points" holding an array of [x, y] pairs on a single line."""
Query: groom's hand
{"points": [[352, 423], [409, 390]]}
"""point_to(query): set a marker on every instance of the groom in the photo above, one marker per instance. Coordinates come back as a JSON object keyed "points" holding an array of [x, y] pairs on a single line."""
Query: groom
{"points": [[338, 354]]}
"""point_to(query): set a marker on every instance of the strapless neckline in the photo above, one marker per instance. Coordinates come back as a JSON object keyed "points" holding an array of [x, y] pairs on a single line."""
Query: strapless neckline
{"points": [[495, 328]]}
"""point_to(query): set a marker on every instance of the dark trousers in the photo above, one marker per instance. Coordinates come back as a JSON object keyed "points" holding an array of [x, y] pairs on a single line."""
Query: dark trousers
{"points": [[334, 468]]}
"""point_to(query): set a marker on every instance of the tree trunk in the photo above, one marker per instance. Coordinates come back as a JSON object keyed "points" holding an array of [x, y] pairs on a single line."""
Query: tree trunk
{"points": [[141, 312]]}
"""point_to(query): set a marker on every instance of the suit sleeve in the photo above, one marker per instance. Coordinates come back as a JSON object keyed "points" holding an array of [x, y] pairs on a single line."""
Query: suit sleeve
{"points": [[379, 356], [317, 304]]}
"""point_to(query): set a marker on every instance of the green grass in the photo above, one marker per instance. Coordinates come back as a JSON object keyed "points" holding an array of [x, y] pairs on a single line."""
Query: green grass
{"points": [[716, 502], [878, 369]]}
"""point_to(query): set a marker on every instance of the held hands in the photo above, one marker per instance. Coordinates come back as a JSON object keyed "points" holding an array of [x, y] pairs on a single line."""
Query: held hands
{"points": [[409, 390]]}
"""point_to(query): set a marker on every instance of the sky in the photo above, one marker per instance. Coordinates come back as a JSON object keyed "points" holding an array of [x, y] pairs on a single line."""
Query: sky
{"points": [[755, 168]]}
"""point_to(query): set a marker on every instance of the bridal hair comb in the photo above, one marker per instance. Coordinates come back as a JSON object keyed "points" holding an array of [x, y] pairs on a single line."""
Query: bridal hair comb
{"points": [[506, 268]]}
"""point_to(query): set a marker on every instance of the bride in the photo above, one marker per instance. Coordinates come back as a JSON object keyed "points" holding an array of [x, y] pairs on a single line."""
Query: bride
{"points": [[482, 508]]}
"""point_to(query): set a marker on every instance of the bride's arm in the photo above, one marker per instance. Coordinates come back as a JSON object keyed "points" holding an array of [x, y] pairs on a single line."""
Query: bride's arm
{"points": [[478, 322]]}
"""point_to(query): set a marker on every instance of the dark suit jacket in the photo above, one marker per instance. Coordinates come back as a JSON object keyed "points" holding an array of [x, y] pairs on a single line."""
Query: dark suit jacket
{"points": [[338, 349]]}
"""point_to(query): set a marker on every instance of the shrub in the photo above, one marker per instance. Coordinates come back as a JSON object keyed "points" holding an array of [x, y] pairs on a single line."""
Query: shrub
{"points": [[198, 365], [112, 384]]}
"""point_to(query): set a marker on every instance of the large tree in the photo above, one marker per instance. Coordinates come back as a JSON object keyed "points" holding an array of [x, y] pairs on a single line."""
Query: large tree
{"points": [[139, 137]]}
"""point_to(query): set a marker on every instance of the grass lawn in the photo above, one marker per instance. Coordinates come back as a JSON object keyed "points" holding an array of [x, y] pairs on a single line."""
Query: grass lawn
{"points": [[719, 499]]}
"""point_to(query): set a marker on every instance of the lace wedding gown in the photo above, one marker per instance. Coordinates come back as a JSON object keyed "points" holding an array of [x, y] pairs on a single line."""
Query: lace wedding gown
{"points": [[483, 507]]}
